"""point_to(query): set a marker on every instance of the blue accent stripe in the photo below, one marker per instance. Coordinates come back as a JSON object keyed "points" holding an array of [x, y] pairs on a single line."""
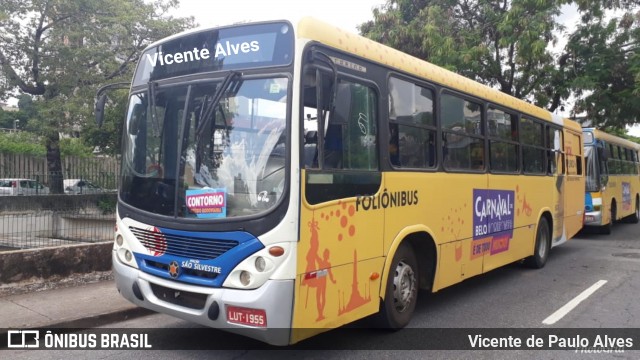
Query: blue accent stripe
{"points": [[195, 270], [588, 202]]}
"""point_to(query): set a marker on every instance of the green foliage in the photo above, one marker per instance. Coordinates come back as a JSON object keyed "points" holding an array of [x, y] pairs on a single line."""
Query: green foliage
{"points": [[108, 137], [500, 44], [63, 50], [27, 143], [21, 143], [75, 147], [606, 65], [107, 204], [506, 45]]}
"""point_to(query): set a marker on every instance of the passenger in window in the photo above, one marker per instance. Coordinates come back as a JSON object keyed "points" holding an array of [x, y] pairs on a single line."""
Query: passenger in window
{"points": [[394, 151]]}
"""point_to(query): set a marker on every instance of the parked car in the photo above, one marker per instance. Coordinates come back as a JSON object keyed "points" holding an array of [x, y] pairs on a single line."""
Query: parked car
{"points": [[80, 186], [22, 187]]}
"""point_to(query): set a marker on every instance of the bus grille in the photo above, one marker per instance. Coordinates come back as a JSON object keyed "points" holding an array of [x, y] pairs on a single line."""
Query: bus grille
{"points": [[184, 246]]}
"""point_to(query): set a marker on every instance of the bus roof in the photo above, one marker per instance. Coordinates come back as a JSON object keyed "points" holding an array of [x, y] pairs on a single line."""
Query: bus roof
{"points": [[320, 31], [612, 139], [313, 29]]}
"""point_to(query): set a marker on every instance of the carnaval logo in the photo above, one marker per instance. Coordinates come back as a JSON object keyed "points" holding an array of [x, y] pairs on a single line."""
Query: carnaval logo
{"points": [[492, 221], [492, 211]]}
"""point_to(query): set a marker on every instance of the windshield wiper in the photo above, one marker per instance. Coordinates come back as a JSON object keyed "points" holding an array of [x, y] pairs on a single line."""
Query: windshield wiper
{"points": [[152, 107], [207, 113]]}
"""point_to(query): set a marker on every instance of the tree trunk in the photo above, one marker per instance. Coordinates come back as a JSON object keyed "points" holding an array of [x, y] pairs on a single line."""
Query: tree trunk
{"points": [[54, 163]]}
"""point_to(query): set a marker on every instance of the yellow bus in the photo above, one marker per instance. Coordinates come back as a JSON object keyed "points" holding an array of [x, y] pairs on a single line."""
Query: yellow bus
{"points": [[280, 179], [612, 183]]}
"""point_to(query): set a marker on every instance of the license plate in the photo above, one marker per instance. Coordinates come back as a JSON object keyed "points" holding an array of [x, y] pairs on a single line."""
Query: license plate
{"points": [[246, 316], [589, 218]]}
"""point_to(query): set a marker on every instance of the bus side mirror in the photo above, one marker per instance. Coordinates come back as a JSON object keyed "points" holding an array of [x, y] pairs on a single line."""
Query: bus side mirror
{"points": [[102, 99]]}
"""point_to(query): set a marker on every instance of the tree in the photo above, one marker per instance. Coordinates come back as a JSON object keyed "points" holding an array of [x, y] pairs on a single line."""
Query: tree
{"points": [[61, 50], [25, 111], [108, 137], [505, 44], [605, 61]]}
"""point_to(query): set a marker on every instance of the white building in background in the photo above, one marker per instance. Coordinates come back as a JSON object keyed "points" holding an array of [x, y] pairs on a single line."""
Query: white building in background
{"points": [[7, 107]]}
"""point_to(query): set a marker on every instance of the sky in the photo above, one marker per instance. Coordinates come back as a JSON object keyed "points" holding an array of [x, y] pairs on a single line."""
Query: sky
{"points": [[346, 14]]}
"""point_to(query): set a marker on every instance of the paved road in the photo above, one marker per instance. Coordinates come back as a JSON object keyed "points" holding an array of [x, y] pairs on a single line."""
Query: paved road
{"points": [[510, 297]]}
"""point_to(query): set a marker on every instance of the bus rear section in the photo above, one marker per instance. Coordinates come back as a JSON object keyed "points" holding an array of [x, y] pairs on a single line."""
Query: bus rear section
{"points": [[612, 191]]}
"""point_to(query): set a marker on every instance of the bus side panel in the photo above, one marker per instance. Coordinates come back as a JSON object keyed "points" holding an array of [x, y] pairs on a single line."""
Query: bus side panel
{"points": [[528, 202], [340, 295], [445, 207], [625, 194], [457, 263], [339, 250]]}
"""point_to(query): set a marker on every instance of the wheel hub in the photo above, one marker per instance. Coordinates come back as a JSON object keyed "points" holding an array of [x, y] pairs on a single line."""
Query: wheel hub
{"points": [[404, 286]]}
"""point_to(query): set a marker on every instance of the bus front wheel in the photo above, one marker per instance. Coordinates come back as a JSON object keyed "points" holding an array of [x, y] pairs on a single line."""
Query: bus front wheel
{"points": [[402, 290], [606, 228], [542, 246]]}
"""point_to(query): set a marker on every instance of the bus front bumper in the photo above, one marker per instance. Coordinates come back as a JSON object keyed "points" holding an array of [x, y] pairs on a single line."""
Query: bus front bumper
{"points": [[209, 306], [593, 218]]}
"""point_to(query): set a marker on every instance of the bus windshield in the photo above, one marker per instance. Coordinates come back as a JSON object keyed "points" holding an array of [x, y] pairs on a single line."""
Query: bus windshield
{"points": [[592, 175], [208, 150]]}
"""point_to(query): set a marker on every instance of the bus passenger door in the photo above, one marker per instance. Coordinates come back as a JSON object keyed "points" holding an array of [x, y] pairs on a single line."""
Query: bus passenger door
{"points": [[341, 216], [574, 187], [556, 168]]}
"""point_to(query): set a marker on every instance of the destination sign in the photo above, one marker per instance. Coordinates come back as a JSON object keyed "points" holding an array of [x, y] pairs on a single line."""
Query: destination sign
{"points": [[230, 48]]}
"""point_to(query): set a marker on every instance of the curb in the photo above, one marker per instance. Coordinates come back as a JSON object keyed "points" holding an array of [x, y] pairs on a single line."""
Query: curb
{"points": [[102, 319], [54, 282]]}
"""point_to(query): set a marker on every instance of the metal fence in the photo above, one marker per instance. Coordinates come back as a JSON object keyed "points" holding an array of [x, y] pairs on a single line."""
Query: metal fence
{"points": [[99, 171], [32, 217], [28, 222]]}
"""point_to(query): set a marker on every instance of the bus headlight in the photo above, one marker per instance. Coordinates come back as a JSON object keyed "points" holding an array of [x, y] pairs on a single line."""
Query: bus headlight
{"points": [[123, 250], [245, 278], [261, 264], [255, 270]]}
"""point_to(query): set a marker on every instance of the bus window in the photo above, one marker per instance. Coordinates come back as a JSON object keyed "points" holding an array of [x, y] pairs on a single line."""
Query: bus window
{"points": [[503, 137], [412, 130], [345, 155], [533, 153], [463, 144], [555, 155]]}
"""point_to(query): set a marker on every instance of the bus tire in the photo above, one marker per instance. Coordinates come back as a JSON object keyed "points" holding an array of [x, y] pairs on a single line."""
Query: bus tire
{"points": [[542, 246], [401, 295], [635, 217], [606, 228]]}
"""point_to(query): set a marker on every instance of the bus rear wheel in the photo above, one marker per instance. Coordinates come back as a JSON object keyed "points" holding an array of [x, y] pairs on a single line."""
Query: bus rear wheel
{"points": [[542, 246], [402, 290], [635, 217]]}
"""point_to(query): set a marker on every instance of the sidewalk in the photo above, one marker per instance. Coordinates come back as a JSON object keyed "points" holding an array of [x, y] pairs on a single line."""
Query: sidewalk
{"points": [[81, 306]]}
